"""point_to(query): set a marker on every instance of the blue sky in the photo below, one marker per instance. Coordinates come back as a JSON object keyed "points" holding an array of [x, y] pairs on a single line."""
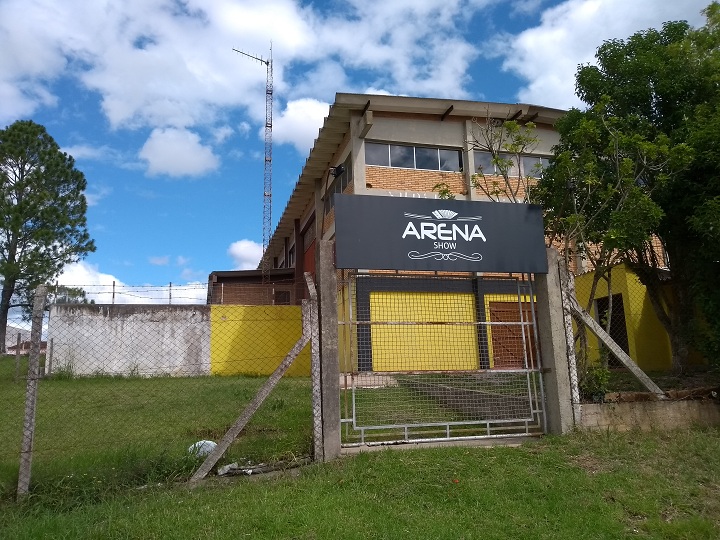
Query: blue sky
{"points": [[166, 121]]}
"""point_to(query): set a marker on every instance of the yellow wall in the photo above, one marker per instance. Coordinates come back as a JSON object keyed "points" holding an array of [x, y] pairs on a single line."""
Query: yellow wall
{"points": [[254, 340], [648, 343], [347, 340], [423, 347]]}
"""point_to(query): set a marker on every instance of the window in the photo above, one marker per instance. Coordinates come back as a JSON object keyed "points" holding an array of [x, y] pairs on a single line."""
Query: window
{"points": [[339, 184], [531, 166], [413, 157], [281, 298], [291, 258]]}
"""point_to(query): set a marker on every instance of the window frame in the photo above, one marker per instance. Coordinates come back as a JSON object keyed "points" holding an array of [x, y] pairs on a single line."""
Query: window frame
{"points": [[415, 147], [543, 159]]}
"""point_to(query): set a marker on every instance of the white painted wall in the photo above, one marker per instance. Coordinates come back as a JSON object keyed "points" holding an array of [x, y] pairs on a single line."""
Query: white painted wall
{"points": [[144, 340]]}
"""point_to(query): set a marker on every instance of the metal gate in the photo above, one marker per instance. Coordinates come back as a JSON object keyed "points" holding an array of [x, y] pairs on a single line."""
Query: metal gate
{"points": [[437, 357]]}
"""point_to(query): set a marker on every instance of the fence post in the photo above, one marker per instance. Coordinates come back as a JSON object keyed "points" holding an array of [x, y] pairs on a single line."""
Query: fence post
{"points": [[31, 392], [318, 453], [329, 363], [553, 348]]}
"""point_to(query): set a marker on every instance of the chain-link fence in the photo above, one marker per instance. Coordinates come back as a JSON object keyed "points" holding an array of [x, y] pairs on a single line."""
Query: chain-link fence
{"points": [[432, 357], [128, 393], [618, 304]]}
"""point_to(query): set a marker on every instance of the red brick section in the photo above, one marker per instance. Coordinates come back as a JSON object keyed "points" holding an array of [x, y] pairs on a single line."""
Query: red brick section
{"points": [[412, 179]]}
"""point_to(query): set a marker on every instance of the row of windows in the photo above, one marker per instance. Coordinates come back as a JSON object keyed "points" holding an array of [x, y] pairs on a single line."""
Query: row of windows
{"points": [[413, 157], [441, 159], [531, 166]]}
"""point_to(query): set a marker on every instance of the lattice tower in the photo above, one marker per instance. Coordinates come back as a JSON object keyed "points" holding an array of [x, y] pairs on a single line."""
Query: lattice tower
{"points": [[267, 177]]}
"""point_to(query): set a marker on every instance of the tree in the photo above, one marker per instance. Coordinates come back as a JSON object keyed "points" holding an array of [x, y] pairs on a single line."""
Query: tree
{"points": [[597, 195], [43, 206], [506, 142], [658, 97]]}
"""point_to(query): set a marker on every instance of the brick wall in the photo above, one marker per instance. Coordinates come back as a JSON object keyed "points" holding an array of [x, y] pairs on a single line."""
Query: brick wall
{"points": [[387, 178]]}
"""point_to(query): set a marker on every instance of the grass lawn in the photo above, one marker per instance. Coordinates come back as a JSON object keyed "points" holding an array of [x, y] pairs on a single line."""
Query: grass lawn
{"points": [[130, 431], [657, 485]]}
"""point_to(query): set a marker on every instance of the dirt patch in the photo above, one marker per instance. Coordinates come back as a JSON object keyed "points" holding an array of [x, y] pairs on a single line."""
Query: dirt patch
{"points": [[696, 383], [708, 392]]}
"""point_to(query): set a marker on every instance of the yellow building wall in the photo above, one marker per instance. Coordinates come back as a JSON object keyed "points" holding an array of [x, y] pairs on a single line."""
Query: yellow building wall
{"points": [[347, 352], [407, 347], [648, 343], [254, 340]]}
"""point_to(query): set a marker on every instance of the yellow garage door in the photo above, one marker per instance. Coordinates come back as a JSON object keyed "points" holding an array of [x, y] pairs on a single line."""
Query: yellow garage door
{"points": [[423, 347]]}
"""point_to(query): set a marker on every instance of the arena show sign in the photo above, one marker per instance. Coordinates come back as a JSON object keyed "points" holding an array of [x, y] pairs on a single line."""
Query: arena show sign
{"points": [[398, 233]]}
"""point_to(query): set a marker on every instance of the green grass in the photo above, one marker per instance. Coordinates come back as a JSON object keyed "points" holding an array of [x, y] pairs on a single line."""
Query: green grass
{"points": [[578, 486], [130, 431]]}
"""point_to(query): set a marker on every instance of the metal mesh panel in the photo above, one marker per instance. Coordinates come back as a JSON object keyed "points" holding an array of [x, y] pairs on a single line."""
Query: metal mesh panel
{"points": [[129, 388], [619, 303], [437, 357]]}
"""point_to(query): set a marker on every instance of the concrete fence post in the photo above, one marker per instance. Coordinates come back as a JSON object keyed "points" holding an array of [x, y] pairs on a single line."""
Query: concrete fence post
{"points": [[553, 348], [33, 375], [329, 360]]}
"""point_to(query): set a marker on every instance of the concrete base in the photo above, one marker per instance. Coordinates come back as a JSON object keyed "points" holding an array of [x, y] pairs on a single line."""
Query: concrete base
{"points": [[649, 415], [490, 442]]}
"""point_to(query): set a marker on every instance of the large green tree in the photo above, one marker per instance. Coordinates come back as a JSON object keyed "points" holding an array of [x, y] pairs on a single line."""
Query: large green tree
{"points": [[654, 101], [43, 208]]}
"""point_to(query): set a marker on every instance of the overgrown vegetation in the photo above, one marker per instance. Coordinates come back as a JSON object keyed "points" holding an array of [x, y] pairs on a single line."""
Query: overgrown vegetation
{"points": [[651, 485], [131, 431]]}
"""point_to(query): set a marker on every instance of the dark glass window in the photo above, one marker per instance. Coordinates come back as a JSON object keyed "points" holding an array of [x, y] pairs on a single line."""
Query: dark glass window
{"points": [[450, 160], [377, 154], [483, 162], [413, 157], [402, 156], [426, 158], [533, 166]]}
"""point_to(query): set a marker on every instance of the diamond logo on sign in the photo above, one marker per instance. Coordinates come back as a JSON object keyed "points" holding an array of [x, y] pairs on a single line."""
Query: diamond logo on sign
{"points": [[444, 235]]}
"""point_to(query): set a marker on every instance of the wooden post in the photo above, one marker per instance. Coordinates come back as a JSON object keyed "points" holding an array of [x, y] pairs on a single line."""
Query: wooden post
{"points": [[262, 393], [31, 393]]}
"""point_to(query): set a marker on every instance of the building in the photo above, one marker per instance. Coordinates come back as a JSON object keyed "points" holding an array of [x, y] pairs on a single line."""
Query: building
{"points": [[386, 146], [399, 147]]}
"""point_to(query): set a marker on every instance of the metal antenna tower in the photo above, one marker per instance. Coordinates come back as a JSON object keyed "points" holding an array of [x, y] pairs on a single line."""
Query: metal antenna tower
{"points": [[267, 183]]}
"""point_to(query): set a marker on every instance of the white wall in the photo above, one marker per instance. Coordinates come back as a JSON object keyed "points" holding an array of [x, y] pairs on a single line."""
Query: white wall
{"points": [[130, 339]]}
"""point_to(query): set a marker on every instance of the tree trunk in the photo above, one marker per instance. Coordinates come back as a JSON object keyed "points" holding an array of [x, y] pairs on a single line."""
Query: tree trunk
{"points": [[672, 314], [5, 297]]}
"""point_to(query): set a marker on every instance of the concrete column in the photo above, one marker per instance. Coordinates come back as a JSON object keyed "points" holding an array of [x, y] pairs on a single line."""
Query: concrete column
{"points": [[329, 363], [553, 348]]}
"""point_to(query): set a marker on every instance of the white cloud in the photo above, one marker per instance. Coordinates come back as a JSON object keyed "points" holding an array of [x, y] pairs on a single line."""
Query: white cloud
{"points": [[548, 55], [221, 133], [155, 67], [182, 261], [177, 152], [95, 195], [245, 254], [299, 123], [244, 129], [108, 289], [159, 261]]}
